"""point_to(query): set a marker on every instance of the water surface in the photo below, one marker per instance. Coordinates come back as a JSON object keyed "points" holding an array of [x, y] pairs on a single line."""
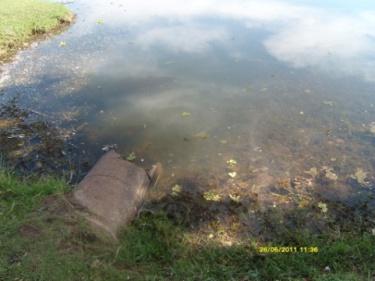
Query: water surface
{"points": [[281, 87]]}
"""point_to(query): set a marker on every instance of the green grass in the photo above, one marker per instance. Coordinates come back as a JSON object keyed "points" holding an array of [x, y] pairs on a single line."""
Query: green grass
{"points": [[40, 239], [23, 20]]}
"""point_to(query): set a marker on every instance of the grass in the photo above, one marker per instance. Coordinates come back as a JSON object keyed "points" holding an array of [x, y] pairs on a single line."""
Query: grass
{"points": [[41, 240], [24, 20]]}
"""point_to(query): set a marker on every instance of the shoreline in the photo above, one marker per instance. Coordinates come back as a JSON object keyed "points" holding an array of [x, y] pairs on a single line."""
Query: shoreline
{"points": [[55, 23]]}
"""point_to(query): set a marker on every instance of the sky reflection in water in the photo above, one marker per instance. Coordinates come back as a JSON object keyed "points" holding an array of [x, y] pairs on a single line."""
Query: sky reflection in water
{"points": [[281, 86]]}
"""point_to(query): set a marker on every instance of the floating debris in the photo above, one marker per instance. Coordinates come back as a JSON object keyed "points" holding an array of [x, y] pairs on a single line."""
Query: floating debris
{"points": [[109, 147], [131, 157], [176, 190], [62, 44], [304, 202], [99, 21], [323, 207], [284, 183], [223, 141], [329, 174], [211, 196], [201, 135], [301, 113], [301, 182], [372, 127], [258, 149], [312, 172], [30, 144], [360, 176], [232, 162], [185, 114], [328, 102], [235, 198], [232, 174]]}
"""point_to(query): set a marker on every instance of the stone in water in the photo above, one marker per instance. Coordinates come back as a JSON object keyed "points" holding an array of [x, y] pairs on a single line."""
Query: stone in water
{"points": [[112, 192]]}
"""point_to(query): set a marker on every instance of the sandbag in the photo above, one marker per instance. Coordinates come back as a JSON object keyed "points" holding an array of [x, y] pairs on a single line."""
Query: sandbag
{"points": [[112, 192]]}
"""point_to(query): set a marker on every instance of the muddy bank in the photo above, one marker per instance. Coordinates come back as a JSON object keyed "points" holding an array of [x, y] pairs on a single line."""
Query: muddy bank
{"points": [[34, 145]]}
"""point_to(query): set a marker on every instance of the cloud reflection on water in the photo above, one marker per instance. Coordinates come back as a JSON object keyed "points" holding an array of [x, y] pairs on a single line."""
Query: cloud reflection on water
{"points": [[300, 35], [182, 38]]}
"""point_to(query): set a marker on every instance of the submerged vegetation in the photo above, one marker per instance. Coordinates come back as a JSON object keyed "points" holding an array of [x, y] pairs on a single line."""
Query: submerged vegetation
{"points": [[24, 20], [42, 239]]}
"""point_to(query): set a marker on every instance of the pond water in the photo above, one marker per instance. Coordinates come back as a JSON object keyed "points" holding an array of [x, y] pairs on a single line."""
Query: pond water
{"points": [[286, 89]]}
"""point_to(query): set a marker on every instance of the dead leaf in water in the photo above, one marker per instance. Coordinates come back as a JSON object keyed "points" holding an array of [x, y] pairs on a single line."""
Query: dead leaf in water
{"points": [[329, 174], [328, 102], [312, 172], [372, 127], [211, 196], [232, 162], [323, 207], [185, 114], [360, 176], [235, 198], [131, 157], [201, 135], [176, 190]]}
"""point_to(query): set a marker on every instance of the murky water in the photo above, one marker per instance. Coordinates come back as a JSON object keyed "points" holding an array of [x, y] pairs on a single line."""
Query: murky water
{"points": [[284, 88]]}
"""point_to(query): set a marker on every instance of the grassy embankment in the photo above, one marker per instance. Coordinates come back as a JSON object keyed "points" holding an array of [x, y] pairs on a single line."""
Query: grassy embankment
{"points": [[41, 240], [22, 21]]}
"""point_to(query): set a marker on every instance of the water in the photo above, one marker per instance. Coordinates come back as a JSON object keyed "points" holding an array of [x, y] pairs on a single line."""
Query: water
{"points": [[279, 86]]}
